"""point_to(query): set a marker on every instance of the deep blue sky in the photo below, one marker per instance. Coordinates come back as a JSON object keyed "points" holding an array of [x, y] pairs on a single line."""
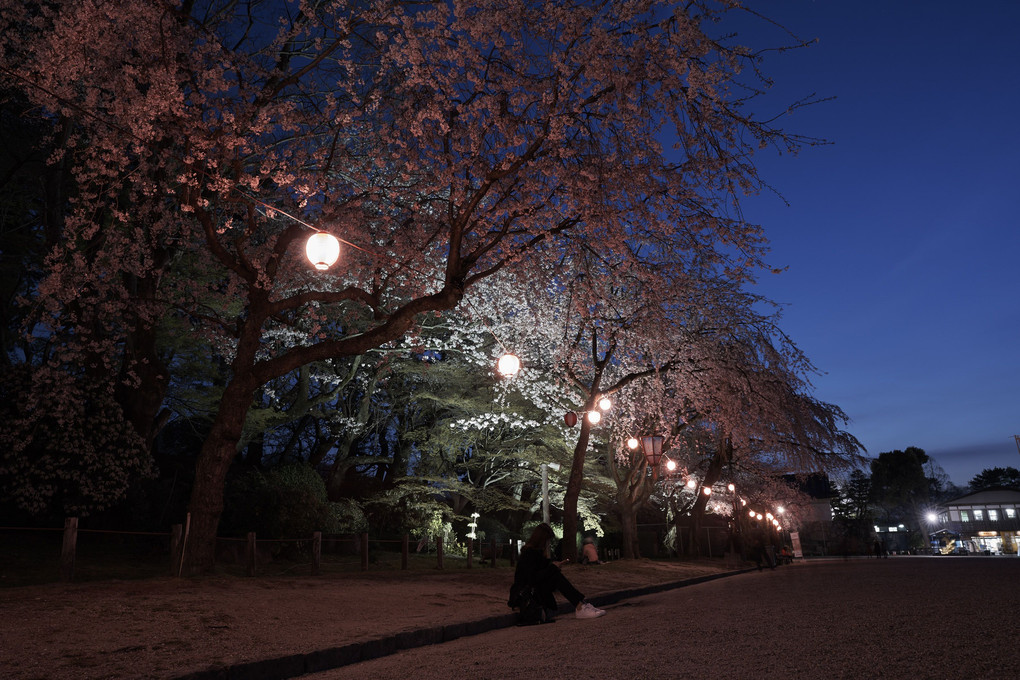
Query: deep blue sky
{"points": [[902, 237]]}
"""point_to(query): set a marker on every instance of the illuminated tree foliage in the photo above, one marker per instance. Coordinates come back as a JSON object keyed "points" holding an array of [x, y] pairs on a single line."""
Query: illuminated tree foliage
{"points": [[444, 142]]}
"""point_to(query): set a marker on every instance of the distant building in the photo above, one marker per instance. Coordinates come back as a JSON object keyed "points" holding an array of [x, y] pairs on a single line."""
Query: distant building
{"points": [[985, 521]]}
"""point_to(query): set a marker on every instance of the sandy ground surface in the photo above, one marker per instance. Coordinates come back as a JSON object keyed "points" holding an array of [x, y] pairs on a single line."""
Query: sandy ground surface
{"points": [[946, 618], [166, 628]]}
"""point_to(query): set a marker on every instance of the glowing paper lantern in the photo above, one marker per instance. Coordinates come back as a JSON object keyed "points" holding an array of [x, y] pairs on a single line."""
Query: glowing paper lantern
{"points": [[594, 417], [605, 404], [322, 250], [653, 449], [671, 465], [632, 443], [570, 418], [707, 490], [508, 365]]}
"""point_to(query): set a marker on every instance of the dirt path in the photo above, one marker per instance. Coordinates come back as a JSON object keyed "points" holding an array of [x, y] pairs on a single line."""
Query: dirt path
{"points": [[925, 617]]}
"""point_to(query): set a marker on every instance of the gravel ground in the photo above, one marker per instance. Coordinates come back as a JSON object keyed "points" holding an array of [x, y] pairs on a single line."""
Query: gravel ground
{"points": [[903, 617], [168, 628]]}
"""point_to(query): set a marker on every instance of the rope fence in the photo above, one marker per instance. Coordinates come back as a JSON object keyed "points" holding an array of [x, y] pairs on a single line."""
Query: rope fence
{"points": [[89, 554]]}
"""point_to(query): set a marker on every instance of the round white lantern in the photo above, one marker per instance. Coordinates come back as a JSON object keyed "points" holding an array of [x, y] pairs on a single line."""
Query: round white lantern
{"points": [[322, 250], [508, 365]]}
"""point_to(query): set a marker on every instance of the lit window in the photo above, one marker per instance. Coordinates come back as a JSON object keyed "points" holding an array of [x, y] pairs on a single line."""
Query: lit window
{"points": [[993, 515], [964, 517], [979, 515], [1011, 513]]}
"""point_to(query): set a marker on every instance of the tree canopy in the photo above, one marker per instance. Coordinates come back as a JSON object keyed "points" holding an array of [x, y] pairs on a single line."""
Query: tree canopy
{"points": [[997, 476], [578, 165]]}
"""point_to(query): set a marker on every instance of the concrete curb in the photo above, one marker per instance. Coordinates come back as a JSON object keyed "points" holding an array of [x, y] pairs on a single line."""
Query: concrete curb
{"points": [[294, 665]]}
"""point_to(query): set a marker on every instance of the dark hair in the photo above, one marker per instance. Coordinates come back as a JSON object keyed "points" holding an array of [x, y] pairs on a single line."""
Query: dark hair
{"points": [[540, 537]]}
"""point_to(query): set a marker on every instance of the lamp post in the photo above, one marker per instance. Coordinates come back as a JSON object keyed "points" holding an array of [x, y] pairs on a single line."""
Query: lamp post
{"points": [[932, 519], [545, 489]]}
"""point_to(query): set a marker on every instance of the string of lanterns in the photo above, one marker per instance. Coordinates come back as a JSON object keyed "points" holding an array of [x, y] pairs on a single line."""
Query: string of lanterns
{"points": [[509, 365], [594, 417]]}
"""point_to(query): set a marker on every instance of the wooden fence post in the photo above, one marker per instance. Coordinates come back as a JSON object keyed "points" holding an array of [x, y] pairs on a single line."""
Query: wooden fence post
{"points": [[439, 551], [250, 552], [184, 542], [176, 532], [364, 551], [405, 548], [470, 551], [493, 563], [69, 549], [316, 552]]}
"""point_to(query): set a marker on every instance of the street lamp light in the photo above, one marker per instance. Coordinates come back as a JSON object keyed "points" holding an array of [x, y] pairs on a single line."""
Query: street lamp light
{"points": [[545, 489]]}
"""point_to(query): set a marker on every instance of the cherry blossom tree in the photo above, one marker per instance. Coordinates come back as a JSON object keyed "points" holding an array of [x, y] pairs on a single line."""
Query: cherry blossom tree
{"points": [[443, 142], [754, 398]]}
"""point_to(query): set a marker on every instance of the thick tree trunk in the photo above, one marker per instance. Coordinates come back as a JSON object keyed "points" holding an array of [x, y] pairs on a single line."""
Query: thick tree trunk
{"points": [[632, 491], [221, 446], [574, 483], [628, 526], [218, 452], [142, 385]]}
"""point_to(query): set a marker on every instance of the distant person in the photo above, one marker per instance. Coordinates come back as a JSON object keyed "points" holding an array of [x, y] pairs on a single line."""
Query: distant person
{"points": [[536, 569], [589, 553], [879, 549], [761, 555]]}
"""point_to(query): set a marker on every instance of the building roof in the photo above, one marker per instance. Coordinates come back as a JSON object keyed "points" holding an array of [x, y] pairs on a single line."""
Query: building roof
{"points": [[995, 494]]}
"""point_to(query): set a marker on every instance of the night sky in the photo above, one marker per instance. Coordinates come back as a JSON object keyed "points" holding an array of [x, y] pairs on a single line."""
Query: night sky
{"points": [[901, 237]]}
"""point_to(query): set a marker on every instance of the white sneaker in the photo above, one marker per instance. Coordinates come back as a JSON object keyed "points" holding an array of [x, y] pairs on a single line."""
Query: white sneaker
{"points": [[587, 611]]}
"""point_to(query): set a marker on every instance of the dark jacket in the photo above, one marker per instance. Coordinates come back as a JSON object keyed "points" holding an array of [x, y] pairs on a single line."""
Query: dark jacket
{"points": [[531, 567]]}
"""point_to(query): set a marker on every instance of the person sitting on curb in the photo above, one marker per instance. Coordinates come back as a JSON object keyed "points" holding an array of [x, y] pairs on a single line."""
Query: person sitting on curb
{"points": [[535, 568], [589, 553]]}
